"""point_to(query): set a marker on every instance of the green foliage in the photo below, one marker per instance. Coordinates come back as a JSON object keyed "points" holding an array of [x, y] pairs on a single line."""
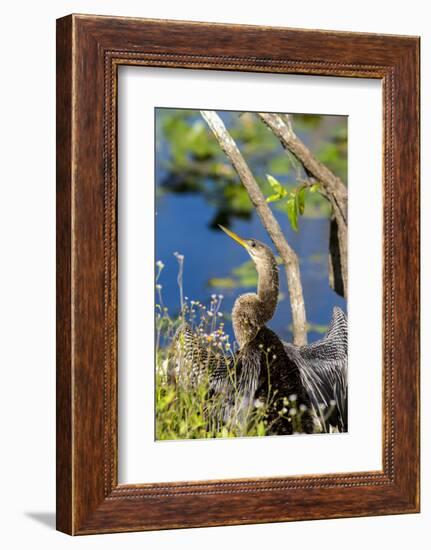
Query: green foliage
{"points": [[188, 139], [295, 200], [292, 211], [180, 413], [186, 409], [333, 152], [189, 411], [279, 192], [300, 200], [189, 160]]}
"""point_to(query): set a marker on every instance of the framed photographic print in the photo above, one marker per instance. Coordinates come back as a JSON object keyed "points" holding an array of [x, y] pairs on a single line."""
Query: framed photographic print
{"points": [[237, 274]]}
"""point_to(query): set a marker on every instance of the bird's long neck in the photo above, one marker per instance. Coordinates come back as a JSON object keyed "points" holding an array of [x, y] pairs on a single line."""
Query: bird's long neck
{"points": [[252, 311], [267, 288]]}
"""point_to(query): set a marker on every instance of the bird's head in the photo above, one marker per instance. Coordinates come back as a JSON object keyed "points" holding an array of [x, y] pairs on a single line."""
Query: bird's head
{"points": [[261, 254]]}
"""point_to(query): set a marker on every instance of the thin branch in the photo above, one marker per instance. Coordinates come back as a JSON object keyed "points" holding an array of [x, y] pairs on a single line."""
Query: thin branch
{"points": [[268, 220], [332, 188], [290, 141]]}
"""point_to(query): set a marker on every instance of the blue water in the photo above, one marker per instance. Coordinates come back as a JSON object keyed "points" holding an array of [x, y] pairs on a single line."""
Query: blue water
{"points": [[182, 225]]}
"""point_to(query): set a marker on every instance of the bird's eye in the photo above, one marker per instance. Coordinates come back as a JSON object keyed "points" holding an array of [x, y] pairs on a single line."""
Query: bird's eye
{"points": [[252, 244]]}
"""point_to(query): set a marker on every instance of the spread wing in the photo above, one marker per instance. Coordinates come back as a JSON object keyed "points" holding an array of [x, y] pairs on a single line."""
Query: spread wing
{"points": [[193, 359], [323, 368]]}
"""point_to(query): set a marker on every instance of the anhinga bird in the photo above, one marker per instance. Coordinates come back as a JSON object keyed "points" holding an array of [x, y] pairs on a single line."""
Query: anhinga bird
{"points": [[269, 371], [262, 360]]}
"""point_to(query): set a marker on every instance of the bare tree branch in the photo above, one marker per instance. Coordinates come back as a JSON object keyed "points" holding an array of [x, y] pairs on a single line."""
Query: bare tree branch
{"points": [[332, 188], [268, 220]]}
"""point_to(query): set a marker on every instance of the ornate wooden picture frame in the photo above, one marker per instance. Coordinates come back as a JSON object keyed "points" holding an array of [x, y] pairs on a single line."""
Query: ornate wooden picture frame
{"points": [[89, 51]]}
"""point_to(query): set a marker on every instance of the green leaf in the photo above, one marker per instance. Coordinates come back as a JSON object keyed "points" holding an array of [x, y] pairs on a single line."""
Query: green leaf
{"points": [[261, 431], [273, 198], [300, 197], [274, 183], [279, 191], [292, 212], [315, 187]]}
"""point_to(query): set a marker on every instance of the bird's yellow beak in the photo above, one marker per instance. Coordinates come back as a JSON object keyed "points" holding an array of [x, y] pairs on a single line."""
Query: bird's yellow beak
{"points": [[234, 236]]}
